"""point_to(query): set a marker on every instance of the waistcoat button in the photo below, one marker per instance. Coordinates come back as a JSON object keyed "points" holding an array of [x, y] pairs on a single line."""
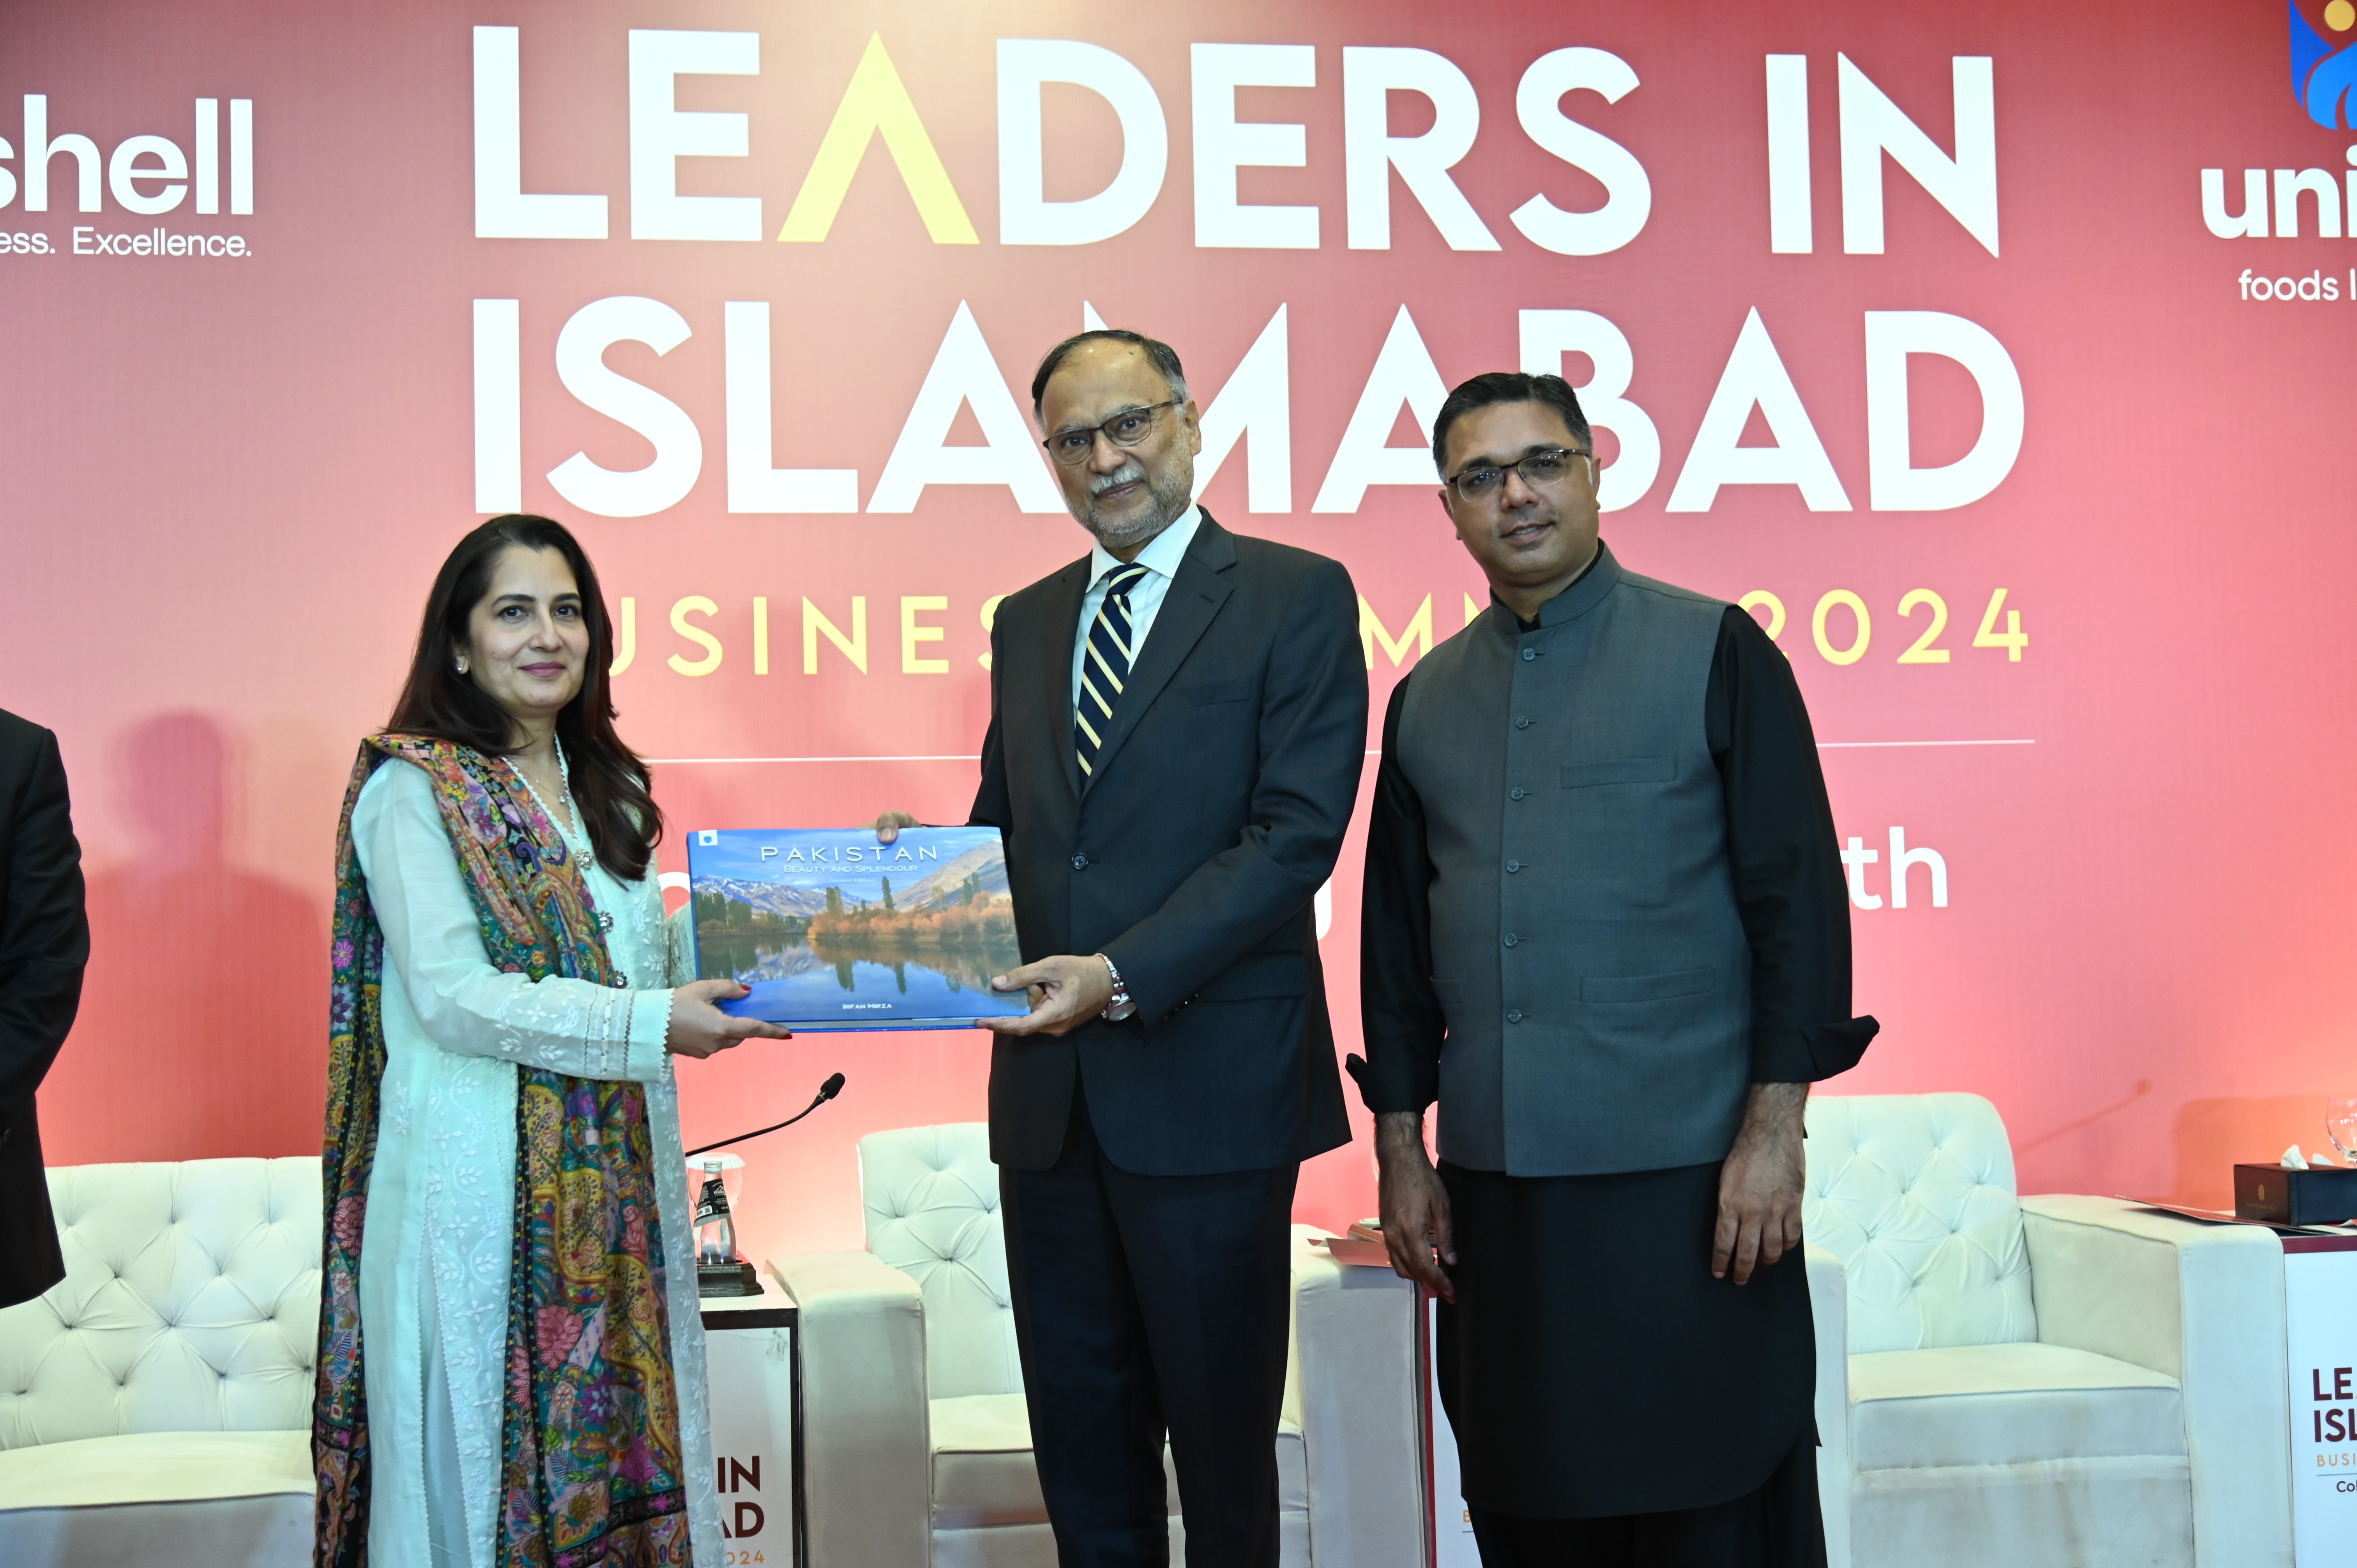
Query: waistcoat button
{"points": [[1516, 793], [1080, 863], [1529, 654], [1513, 866], [1512, 939], [1515, 1016], [1522, 721]]}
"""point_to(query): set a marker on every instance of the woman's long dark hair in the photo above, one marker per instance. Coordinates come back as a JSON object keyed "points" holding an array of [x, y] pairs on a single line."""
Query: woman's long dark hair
{"points": [[609, 782]]}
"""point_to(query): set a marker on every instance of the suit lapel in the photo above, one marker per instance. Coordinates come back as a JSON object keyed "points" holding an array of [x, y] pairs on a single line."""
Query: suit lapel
{"points": [[1196, 594], [1053, 683]]}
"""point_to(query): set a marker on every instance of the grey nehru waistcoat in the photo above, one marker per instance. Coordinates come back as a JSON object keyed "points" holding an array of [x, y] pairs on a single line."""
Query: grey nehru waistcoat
{"points": [[1585, 945]]}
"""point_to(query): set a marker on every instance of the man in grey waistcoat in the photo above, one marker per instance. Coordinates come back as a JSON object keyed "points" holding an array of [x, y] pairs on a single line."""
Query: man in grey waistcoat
{"points": [[1605, 927]]}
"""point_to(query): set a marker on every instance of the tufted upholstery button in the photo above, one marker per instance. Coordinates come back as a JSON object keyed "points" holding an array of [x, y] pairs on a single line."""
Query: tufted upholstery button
{"points": [[932, 1208], [1916, 1194], [171, 1271]]}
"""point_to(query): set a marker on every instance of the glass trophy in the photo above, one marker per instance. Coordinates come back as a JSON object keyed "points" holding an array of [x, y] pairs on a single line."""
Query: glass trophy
{"points": [[720, 1269]]}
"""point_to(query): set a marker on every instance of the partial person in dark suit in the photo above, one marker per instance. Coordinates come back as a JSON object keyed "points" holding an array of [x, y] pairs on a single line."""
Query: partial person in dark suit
{"points": [[43, 943], [1177, 725]]}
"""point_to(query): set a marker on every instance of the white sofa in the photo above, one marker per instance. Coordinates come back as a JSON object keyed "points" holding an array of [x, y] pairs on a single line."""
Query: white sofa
{"points": [[916, 1444], [2066, 1382], [156, 1405]]}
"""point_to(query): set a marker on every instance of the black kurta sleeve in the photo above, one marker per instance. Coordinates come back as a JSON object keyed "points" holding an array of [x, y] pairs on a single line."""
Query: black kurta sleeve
{"points": [[1789, 882], [1399, 1012]]}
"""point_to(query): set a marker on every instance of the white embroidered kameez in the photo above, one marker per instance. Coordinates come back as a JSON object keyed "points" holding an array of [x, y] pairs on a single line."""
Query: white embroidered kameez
{"points": [[436, 1257]]}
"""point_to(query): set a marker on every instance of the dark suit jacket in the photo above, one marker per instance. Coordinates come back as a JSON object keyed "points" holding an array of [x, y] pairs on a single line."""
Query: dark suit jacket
{"points": [[1216, 811], [43, 943]]}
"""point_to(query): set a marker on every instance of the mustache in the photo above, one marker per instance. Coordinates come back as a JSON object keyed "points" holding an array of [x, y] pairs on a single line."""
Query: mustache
{"points": [[1131, 472]]}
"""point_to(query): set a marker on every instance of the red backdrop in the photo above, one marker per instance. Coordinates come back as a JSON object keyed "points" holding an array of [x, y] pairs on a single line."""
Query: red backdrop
{"points": [[231, 477]]}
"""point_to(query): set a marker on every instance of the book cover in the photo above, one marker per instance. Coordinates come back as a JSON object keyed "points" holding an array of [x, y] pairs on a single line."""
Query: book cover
{"points": [[833, 931]]}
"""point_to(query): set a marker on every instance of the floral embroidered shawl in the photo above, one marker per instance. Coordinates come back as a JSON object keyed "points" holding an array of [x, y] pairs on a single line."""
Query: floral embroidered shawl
{"points": [[590, 1457]]}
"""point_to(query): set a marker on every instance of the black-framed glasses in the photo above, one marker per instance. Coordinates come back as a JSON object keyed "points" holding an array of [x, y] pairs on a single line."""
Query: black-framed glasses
{"points": [[1542, 470], [1127, 428]]}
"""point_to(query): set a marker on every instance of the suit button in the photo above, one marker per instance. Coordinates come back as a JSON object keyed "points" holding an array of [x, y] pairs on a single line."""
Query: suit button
{"points": [[1512, 939], [1080, 863], [1529, 654], [1521, 721], [1516, 793], [1513, 866], [1515, 1016]]}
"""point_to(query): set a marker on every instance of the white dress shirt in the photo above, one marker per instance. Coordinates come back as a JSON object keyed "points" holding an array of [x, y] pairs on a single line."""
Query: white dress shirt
{"points": [[1160, 558]]}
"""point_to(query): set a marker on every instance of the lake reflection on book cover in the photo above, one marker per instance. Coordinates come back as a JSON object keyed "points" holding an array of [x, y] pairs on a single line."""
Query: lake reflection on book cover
{"points": [[833, 931]]}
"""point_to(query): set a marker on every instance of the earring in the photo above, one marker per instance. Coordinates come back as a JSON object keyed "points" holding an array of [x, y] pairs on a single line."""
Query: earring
{"points": [[462, 666]]}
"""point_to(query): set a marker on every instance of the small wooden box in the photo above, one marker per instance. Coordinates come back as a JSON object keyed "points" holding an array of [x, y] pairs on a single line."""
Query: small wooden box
{"points": [[2277, 1196]]}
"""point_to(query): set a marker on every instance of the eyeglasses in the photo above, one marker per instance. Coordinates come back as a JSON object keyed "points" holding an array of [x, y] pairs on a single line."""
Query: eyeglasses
{"points": [[1127, 428], [1542, 470]]}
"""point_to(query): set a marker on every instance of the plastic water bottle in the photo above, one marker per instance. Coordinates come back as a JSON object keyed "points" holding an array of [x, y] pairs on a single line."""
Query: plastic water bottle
{"points": [[715, 1231]]}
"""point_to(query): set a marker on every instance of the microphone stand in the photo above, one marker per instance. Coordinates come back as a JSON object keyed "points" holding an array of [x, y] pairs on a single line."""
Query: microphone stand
{"points": [[734, 1276], [828, 1090]]}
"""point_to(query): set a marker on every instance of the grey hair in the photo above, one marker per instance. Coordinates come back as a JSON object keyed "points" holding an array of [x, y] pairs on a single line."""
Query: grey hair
{"points": [[1161, 355]]}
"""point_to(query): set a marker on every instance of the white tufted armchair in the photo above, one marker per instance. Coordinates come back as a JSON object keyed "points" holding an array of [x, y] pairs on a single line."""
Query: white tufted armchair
{"points": [[917, 1445], [2071, 1381], [156, 1405]]}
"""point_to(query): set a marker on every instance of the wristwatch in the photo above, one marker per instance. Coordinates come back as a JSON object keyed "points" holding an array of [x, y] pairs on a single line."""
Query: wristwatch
{"points": [[1121, 1006]]}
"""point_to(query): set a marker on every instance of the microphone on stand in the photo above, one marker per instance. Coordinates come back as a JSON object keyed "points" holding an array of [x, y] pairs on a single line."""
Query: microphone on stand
{"points": [[826, 1091]]}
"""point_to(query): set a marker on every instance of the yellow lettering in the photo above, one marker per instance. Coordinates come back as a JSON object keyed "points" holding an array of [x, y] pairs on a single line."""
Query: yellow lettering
{"points": [[626, 638], [694, 604], [1922, 651], [1842, 598], [1417, 632], [760, 637], [1758, 597], [853, 647], [989, 623], [912, 634], [876, 102], [2013, 639]]}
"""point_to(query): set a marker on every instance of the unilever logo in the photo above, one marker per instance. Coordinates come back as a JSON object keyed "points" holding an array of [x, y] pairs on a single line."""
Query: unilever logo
{"points": [[2324, 64]]}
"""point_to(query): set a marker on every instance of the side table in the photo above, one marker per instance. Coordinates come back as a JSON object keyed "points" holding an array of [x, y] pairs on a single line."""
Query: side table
{"points": [[753, 1362]]}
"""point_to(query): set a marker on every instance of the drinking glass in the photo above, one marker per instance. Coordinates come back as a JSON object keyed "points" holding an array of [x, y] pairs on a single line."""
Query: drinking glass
{"points": [[2340, 1126]]}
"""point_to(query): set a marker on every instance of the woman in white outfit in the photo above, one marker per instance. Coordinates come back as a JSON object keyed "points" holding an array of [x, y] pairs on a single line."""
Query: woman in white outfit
{"points": [[512, 1360]]}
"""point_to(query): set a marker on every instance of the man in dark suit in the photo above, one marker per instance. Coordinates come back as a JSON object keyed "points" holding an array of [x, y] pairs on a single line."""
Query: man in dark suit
{"points": [[44, 943], [1177, 725]]}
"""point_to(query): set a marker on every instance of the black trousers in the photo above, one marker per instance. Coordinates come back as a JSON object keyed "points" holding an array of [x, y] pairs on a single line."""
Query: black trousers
{"points": [[1778, 1526], [30, 1260], [1146, 1304]]}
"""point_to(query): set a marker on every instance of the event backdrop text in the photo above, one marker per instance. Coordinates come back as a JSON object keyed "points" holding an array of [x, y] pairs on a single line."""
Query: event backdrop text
{"points": [[1993, 357]]}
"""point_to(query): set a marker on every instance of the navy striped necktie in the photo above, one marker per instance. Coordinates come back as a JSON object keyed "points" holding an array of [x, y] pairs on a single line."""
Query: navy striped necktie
{"points": [[1105, 669]]}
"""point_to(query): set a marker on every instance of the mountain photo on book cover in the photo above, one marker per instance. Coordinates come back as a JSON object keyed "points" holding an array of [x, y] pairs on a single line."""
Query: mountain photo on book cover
{"points": [[832, 929]]}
